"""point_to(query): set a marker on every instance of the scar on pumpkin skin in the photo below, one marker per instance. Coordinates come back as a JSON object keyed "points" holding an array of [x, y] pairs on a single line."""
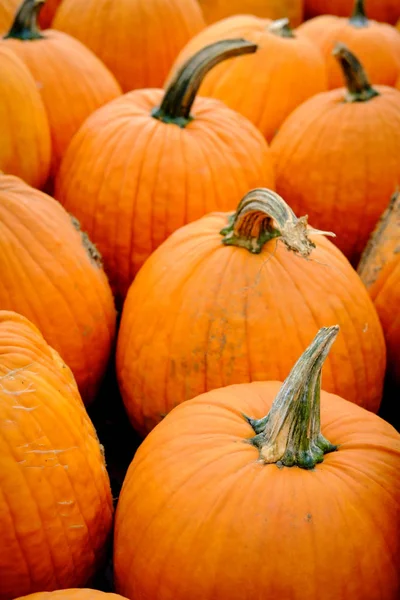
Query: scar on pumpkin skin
{"points": [[90, 248]]}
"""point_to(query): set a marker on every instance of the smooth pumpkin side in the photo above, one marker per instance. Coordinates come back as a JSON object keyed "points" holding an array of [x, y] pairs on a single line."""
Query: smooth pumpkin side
{"points": [[56, 504], [25, 148], [51, 273], [216, 10], [73, 594], [7, 11]]}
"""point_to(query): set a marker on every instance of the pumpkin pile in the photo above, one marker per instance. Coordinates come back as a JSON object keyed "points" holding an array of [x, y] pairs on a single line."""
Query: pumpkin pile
{"points": [[199, 300]]}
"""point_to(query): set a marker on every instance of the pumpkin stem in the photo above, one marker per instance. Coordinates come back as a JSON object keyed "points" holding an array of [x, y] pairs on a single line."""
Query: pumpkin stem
{"points": [[290, 435], [263, 215], [25, 25], [387, 229], [181, 92], [358, 17], [282, 28], [358, 86]]}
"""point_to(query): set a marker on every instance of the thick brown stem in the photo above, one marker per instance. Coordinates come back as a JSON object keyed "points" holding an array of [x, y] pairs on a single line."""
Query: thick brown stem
{"points": [[358, 86], [180, 95], [263, 215], [282, 28], [290, 435], [358, 17], [25, 25]]}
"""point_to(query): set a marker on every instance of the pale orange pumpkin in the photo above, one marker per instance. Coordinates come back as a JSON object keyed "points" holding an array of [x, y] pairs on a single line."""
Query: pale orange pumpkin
{"points": [[215, 10]]}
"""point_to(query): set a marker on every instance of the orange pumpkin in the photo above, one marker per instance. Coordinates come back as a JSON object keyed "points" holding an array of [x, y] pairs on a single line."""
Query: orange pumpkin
{"points": [[25, 148], [137, 40], [377, 45], [74, 594], [215, 10], [214, 505], [48, 12], [379, 269], [268, 86], [387, 11], [7, 11], [55, 503], [337, 157], [51, 273], [148, 163], [222, 302], [71, 80]]}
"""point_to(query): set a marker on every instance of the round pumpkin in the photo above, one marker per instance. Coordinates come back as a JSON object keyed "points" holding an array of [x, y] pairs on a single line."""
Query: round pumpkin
{"points": [[268, 86], [72, 81], [137, 40], [387, 11], [223, 301], [73, 594], [263, 490], [55, 503], [51, 273], [25, 148], [377, 45], [337, 157], [48, 12], [149, 162], [215, 10], [7, 11], [379, 269]]}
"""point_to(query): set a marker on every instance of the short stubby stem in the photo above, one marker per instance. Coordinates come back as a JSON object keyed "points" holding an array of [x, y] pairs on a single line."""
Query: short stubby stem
{"points": [[358, 86], [25, 25], [358, 17], [290, 435], [282, 28]]}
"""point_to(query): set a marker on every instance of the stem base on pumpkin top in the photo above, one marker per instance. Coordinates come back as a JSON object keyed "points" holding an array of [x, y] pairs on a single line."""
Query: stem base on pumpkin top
{"points": [[358, 86], [25, 25], [181, 92], [358, 17], [290, 435], [263, 215]]}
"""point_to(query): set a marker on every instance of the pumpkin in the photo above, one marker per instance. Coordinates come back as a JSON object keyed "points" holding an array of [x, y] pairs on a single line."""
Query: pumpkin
{"points": [[377, 45], [7, 10], [74, 594], [55, 503], [215, 10], [137, 39], [51, 273], [221, 501], [379, 269], [268, 86], [71, 80], [25, 148], [387, 11], [337, 157], [150, 162], [47, 13], [223, 302]]}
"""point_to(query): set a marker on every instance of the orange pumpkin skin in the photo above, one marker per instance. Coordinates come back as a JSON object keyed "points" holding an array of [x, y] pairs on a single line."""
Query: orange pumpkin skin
{"points": [[380, 271], [40, 250], [73, 594], [387, 11], [268, 85], [25, 148], [132, 180], [48, 12], [7, 11], [211, 314], [215, 10], [377, 45], [56, 504], [72, 82], [337, 169], [194, 489], [138, 42]]}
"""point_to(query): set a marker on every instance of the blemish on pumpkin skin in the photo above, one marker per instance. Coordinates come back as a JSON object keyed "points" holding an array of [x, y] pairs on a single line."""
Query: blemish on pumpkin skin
{"points": [[90, 248], [308, 518]]}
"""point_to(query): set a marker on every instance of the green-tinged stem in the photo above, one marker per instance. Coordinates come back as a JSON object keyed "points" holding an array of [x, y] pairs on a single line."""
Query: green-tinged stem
{"points": [[282, 28], [358, 86], [263, 215], [181, 92], [25, 25], [290, 435], [358, 17]]}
